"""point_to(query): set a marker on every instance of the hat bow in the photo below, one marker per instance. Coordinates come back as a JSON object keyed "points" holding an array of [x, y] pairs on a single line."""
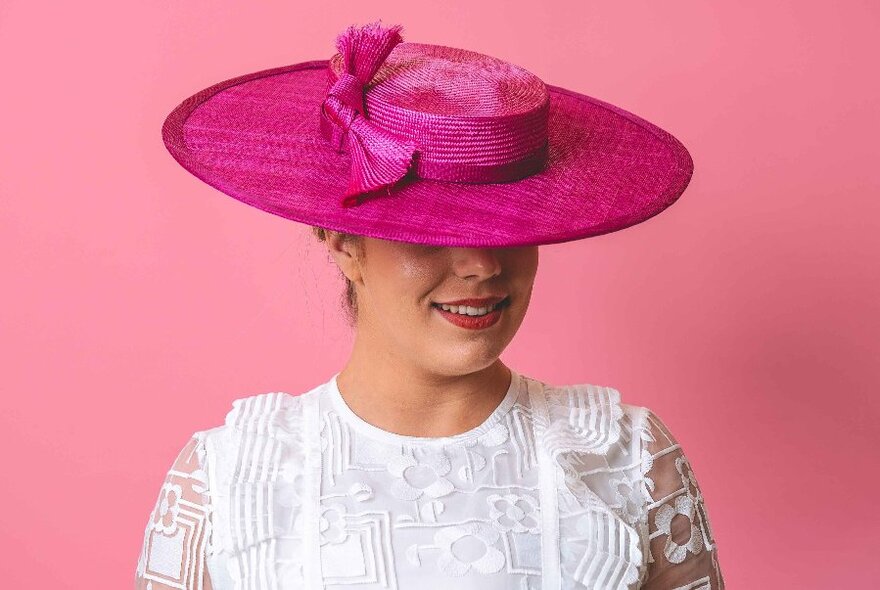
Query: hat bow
{"points": [[378, 157]]}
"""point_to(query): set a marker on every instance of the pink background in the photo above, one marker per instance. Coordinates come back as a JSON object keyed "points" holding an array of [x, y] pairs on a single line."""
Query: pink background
{"points": [[139, 301]]}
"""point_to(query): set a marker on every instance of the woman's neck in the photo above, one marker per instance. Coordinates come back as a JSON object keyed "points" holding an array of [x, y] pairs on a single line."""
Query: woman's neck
{"points": [[411, 400]]}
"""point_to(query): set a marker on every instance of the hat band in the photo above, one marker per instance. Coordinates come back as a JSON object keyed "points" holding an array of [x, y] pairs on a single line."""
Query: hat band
{"points": [[482, 152], [387, 141]]}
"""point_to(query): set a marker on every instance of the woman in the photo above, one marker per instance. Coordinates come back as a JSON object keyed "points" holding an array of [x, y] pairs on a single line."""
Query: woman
{"points": [[426, 462]]}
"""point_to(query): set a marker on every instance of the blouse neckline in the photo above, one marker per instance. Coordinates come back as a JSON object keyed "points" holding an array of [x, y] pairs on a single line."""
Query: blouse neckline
{"points": [[374, 431]]}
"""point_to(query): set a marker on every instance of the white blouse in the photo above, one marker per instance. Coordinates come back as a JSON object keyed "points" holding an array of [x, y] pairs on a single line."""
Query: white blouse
{"points": [[561, 487]]}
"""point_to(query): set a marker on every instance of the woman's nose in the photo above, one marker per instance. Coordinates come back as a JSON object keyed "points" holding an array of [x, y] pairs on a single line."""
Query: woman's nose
{"points": [[479, 262]]}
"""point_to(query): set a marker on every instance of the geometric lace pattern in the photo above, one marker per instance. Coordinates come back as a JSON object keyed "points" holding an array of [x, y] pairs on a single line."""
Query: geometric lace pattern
{"points": [[561, 488]]}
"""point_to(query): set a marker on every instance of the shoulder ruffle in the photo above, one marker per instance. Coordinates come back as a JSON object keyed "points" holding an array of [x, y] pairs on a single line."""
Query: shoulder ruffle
{"points": [[583, 418], [257, 462], [268, 413], [585, 431]]}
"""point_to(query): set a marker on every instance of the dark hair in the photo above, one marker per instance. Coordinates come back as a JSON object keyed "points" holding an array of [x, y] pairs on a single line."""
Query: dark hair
{"points": [[349, 297]]}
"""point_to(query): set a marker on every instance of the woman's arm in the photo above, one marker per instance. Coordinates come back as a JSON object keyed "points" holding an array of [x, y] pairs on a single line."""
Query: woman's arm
{"points": [[682, 548], [177, 534]]}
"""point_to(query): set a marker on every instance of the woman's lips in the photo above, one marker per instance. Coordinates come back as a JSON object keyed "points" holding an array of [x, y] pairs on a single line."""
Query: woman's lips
{"points": [[472, 322]]}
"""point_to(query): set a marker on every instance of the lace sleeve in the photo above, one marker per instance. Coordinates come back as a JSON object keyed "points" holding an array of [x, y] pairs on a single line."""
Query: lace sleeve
{"points": [[682, 554], [176, 539]]}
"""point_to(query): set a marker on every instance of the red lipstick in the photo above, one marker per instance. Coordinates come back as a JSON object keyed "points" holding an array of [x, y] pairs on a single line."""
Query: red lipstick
{"points": [[473, 322]]}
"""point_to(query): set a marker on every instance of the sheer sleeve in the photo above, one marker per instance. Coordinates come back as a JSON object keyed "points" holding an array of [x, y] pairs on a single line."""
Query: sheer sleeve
{"points": [[683, 555], [177, 536]]}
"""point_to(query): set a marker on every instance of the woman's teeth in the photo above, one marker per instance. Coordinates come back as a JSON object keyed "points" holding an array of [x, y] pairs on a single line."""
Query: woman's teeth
{"points": [[466, 309]]}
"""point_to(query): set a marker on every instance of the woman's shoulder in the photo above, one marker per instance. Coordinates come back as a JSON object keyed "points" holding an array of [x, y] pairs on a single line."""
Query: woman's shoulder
{"points": [[588, 396], [587, 403], [271, 413], [590, 416]]}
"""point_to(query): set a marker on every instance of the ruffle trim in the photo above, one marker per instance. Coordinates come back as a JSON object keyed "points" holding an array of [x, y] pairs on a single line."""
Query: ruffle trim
{"points": [[272, 414], [259, 460], [598, 548], [583, 418]]}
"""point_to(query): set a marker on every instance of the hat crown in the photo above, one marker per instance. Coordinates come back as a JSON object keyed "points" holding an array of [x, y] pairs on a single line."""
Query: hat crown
{"points": [[451, 82], [470, 117]]}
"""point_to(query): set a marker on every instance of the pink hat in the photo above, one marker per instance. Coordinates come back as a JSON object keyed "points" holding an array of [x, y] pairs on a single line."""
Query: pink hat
{"points": [[427, 144]]}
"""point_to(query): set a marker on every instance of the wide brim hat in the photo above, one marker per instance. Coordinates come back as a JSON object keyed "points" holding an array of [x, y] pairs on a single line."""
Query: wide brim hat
{"points": [[427, 144]]}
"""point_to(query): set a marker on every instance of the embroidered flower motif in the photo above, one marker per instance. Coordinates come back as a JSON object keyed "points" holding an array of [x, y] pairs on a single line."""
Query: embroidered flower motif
{"points": [[515, 513], [467, 546], [496, 435], [627, 498], [425, 475], [689, 482], [674, 552], [688, 479], [331, 524], [165, 516]]}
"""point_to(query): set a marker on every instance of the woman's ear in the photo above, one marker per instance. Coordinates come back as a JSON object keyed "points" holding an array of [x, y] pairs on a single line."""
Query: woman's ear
{"points": [[347, 253]]}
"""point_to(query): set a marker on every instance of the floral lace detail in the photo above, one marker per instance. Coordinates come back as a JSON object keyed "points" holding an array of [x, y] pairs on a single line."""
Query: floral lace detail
{"points": [[682, 551], [674, 552], [513, 512], [625, 487], [490, 559], [177, 538], [566, 478], [165, 515], [458, 513], [628, 500], [423, 475], [588, 435]]}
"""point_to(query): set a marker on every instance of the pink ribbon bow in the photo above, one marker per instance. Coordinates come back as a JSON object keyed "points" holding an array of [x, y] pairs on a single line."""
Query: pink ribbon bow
{"points": [[378, 158]]}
